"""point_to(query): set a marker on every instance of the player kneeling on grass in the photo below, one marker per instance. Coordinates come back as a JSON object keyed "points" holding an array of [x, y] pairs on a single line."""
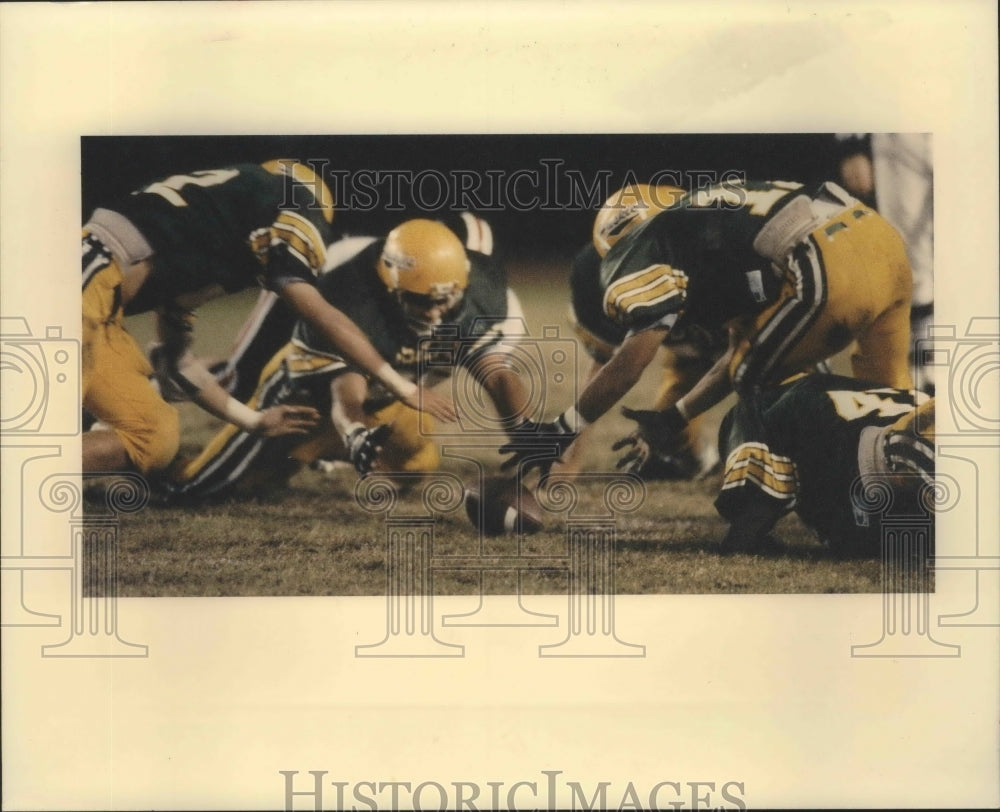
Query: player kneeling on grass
{"points": [[813, 444], [423, 301], [171, 246]]}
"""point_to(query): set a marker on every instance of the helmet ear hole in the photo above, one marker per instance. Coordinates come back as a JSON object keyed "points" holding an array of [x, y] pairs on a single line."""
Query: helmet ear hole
{"points": [[628, 207]]}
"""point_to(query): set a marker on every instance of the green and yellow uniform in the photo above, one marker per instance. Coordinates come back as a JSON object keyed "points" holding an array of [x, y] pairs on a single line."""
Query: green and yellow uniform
{"points": [[302, 371], [798, 273], [195, 237], [689, 350], [805, 444]]}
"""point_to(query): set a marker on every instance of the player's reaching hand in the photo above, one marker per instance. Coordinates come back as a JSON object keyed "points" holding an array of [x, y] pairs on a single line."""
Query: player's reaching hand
{"points": [[438, 406], [657, 432], [537, 445], [637, 455], [280, 420]]}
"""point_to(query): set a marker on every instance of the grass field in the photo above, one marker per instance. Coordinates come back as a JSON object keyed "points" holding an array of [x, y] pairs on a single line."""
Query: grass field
{"points": [[314, 539]]}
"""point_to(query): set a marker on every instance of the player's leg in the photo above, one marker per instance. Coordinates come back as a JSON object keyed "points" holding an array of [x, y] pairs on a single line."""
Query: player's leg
{"points": [[904, 191], [883, 345], [759, 485], [144, 431], [868, 288], [848, 280], [410, 447]]}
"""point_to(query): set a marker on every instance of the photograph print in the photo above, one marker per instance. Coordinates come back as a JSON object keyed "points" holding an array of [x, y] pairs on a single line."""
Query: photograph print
{"points": [[705, 344], [499, 406]]}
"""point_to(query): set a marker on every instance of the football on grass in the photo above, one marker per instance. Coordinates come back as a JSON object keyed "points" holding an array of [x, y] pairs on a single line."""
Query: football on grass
{"points": [[502, 506]]}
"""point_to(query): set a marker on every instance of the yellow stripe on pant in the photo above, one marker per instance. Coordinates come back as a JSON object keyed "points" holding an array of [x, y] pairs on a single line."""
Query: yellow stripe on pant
{"points": [[753, 463]]}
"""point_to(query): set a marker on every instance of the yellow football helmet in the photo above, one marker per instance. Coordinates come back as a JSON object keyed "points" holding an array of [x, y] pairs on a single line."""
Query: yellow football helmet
{"points": [[626, 208], [307, 177], [424, 263]]}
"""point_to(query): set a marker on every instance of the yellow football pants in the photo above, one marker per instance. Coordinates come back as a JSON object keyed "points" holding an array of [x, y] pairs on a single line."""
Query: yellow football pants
{"points": [[115, 372], [849, 280], [236, 460], [408, 448]]}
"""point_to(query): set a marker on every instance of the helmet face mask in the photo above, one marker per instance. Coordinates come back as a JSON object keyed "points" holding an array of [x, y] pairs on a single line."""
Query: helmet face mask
{"points": [[627, 208], [425, 312], [424, 264]]}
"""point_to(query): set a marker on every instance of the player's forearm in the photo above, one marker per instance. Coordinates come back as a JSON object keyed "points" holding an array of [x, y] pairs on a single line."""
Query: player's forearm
{"points": [[619, 375], [345, 335], [215, 400], [348, 396], [188, 373], [713, 386]]}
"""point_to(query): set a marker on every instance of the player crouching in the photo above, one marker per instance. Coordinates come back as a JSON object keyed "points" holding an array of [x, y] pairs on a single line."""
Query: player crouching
{"points": [[842, 453], [427, 304]]}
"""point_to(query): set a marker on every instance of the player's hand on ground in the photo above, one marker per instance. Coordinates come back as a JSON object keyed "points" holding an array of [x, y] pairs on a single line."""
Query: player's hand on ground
{"points": [[364, 446], [438, 406], [286, 419], [537, 445]]}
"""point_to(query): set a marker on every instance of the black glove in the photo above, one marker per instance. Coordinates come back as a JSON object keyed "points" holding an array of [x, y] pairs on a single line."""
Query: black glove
{"points": [[538, 445], [364, 445], [658, 433]]}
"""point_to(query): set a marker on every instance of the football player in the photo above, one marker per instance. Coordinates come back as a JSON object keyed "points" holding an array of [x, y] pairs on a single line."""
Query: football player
{"points": [[169, 247], [812, 444], [268, 326], [425, 302], [686, 355], [794, 274]]}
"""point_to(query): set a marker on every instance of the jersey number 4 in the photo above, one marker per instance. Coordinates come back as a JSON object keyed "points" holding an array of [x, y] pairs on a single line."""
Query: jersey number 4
{"points": [[852, 405]]}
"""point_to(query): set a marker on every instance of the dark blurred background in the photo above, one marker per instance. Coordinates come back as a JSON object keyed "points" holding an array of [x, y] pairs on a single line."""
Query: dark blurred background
{"points": [[540, 192]]}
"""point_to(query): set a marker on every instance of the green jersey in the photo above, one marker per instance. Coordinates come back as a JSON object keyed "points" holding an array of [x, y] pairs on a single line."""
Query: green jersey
{"points": [[601, 335], [470, 329], [696, 260], [795, 446], [230, 228]]}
